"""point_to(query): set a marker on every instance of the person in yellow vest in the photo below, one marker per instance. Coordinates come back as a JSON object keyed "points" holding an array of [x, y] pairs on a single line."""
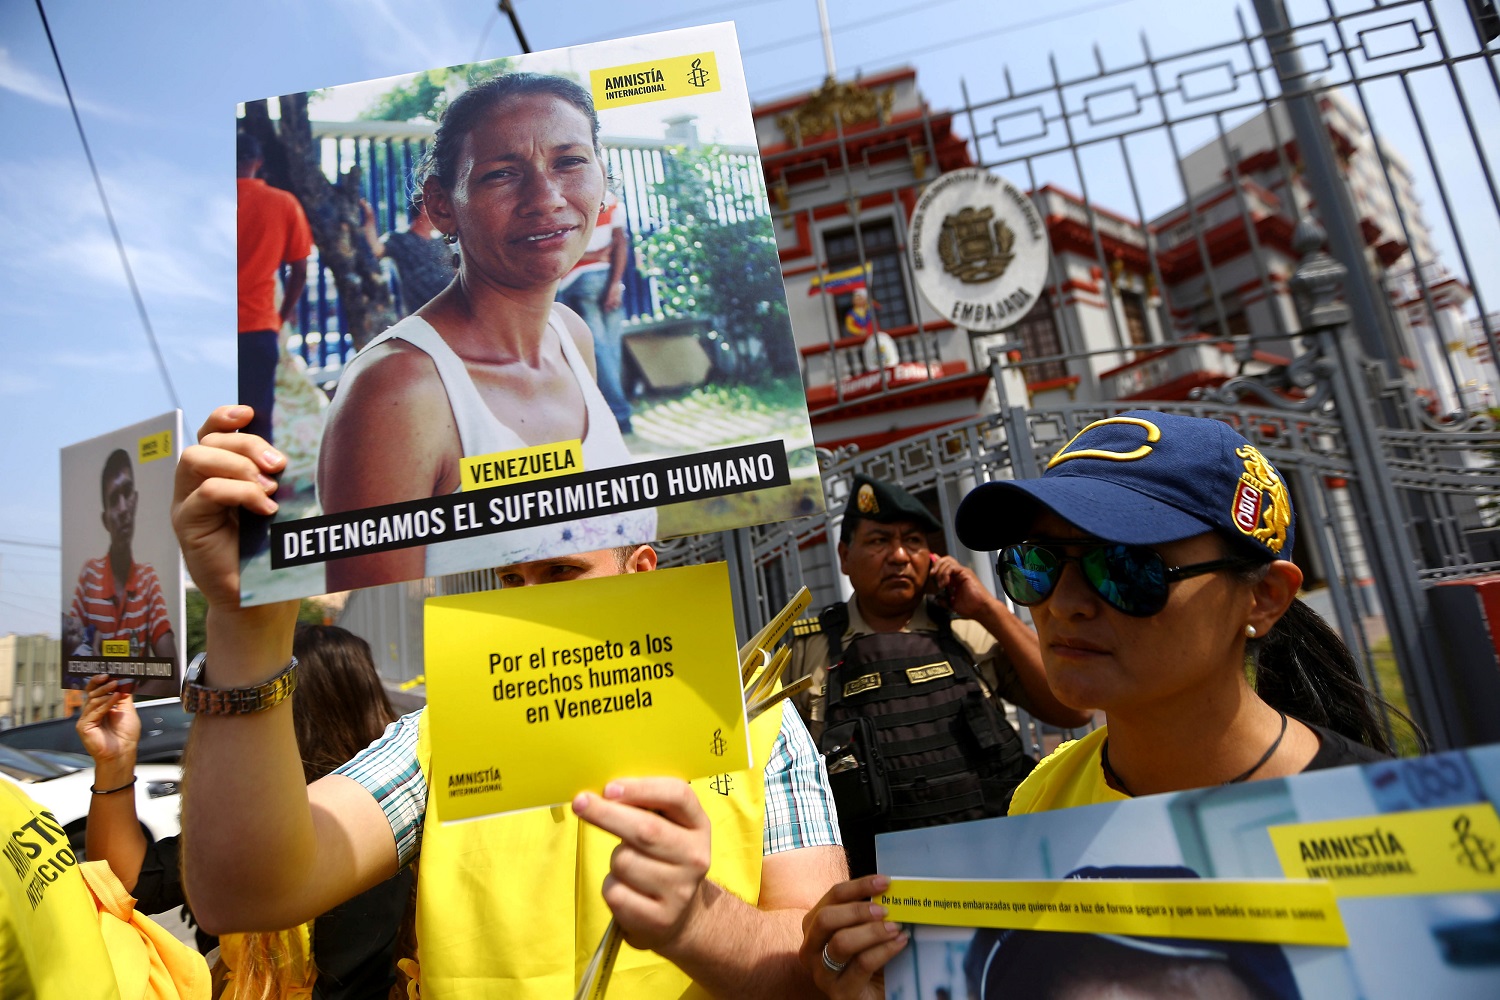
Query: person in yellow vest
{"points": [[1155, 553], [709, 889], [69, 930]]}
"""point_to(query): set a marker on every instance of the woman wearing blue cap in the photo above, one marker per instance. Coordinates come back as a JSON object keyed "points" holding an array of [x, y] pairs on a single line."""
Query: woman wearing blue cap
{"points": [[1155, 555]]}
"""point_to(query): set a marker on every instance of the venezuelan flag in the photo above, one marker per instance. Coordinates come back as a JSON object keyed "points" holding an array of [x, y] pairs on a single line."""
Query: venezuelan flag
{"points": [[840, 282]]}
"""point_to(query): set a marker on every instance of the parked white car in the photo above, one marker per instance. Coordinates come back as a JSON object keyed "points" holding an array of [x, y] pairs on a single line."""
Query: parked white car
{"points": [[59, 782]]}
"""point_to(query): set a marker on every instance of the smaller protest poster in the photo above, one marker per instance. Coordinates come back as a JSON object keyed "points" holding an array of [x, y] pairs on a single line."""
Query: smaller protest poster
{"points": [[1374, 881], [122, 580], [538, 693]]}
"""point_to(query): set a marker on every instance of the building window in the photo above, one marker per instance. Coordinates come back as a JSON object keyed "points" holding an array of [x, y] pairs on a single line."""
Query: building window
{"points": [[883, 254], [1039, 338], [1133, 304]]}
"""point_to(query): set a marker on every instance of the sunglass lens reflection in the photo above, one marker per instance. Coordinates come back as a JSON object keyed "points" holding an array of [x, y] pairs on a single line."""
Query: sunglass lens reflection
{"points": [[1029, 573]]}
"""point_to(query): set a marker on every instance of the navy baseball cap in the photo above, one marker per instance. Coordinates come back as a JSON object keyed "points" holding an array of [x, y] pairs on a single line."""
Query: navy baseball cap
{"points": [[1143, 478]]}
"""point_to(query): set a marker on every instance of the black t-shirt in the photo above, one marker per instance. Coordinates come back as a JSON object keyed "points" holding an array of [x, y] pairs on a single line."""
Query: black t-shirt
{"points": [[1337, 750]]}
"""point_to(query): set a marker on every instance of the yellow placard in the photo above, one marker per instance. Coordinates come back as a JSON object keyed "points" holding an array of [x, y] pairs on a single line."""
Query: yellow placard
{"points": [[114, 647], [1455, 849], [538, 693], [543, 461], [154, 446], [1273, 912], [657, 80]]}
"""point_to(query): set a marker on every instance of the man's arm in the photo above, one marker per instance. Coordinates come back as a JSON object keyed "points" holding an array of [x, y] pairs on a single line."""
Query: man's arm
{"points": [[968, 597], [614, 290], [262, 850], [296, 280], [658, 891]]}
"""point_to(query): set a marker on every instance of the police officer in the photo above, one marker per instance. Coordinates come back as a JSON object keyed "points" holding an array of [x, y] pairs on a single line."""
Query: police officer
{"points": [[908, 715]]}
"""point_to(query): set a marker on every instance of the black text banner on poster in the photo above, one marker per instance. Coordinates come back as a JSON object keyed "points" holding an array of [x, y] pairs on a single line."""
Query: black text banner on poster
{"points": [[531, 504]]}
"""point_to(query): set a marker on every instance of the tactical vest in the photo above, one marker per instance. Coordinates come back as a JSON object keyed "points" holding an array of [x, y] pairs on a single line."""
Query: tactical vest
{"points": [[945, 752]]}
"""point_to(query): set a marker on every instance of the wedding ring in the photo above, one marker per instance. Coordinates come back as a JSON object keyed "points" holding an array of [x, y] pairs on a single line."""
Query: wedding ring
{"points": [[830, 964]]}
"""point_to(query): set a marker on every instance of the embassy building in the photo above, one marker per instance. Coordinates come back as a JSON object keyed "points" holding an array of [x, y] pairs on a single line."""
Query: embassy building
{"points": [[1133, 309]]}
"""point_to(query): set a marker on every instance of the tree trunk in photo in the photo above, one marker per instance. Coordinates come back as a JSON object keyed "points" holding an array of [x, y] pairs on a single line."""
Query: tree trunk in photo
{"points": [[335, 214]]}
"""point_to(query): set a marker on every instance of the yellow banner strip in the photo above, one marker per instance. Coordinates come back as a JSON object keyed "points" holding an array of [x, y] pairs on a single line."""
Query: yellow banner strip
{"points": [[520, 465], [654, 80], [1273, 912], [1455, 849], [154, 446]]}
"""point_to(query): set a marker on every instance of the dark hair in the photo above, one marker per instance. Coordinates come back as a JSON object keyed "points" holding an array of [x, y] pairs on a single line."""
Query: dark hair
{"points": [[340, 706], [117, 462], [1304, 669], [463, 114], [246, 148]]}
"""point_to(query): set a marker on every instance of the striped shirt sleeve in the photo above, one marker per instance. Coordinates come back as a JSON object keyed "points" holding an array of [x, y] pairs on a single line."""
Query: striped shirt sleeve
{"points": [[388, 770], [799, 803], [799, 809]]}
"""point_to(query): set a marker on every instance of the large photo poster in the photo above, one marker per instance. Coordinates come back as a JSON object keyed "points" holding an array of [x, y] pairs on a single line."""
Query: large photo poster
{"points": [[1216, 892], [122, 581], [514, 310]]}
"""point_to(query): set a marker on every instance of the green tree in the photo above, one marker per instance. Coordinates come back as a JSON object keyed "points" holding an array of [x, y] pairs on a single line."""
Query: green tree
{"points": [[309, 612], [425, 96], [716, 258]]}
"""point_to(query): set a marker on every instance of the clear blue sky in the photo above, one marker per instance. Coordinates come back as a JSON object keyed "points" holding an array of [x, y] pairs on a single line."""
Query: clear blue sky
{"points": [[157, 82]]}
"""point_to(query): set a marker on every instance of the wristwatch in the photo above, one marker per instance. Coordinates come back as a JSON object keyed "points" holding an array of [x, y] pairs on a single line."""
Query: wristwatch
{"points": [[235, 701]]}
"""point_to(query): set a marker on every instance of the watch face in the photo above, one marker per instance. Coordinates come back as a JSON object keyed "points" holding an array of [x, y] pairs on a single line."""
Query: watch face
{"points": [[195, 669]]}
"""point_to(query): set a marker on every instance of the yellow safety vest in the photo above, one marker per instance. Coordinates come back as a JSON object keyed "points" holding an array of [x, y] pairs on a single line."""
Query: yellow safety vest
{"points": [[511, 906], [50, 944]]}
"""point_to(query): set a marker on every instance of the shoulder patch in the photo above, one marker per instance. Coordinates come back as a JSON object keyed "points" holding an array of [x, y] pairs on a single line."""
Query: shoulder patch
{"points": [[807, 626]]}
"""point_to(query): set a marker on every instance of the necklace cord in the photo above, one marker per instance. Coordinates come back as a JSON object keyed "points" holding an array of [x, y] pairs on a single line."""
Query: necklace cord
{"points": [[1114, 779]]}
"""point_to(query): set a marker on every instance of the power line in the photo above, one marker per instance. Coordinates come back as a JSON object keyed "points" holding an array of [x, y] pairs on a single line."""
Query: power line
{"points": [[891, 15], [29, 544], [964, 39], [675, 20], [140, 303], [484, 35]]}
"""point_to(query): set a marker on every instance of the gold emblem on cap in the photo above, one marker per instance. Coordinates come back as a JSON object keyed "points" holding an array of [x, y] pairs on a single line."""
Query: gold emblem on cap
{"points": [[1268, 524], [864, 500], [1153, 435]]}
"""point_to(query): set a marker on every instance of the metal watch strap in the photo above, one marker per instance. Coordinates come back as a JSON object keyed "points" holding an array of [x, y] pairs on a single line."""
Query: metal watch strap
{"points": [[239, 701]]}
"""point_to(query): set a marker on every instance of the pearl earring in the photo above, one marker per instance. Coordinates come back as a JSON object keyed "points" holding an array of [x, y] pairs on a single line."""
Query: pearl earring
{"points": [[1250, 632]]}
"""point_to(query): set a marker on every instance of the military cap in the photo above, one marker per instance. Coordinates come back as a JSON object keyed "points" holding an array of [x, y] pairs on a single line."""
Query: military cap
{"points": [[883, 503]]}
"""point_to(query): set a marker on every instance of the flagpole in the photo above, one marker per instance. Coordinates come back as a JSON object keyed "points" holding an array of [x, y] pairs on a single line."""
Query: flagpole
{"points": [[827, 38]]}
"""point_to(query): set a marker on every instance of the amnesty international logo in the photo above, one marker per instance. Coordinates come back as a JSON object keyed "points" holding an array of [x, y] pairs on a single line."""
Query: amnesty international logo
{"points": [[717, 746], [689, 75], [974, 246]]}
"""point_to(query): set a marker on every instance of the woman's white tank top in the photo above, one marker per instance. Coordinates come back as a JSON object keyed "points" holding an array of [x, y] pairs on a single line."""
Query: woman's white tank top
{"points": [[480, 432]]}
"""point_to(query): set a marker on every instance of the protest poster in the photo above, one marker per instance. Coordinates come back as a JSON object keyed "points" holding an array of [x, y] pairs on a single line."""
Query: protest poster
{"points": [[1374, 881], [653, 389], [122, 580], [537, 693]]}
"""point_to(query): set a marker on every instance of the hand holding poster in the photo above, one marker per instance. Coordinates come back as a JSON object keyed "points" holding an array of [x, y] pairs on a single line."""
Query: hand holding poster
{"points": [[541, 692], [613, 362], [122, 575], [1377, 881]]}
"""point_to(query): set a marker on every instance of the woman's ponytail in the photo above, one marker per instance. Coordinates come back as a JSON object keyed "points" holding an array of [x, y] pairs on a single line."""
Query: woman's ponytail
{"points": [[1304, 669]]}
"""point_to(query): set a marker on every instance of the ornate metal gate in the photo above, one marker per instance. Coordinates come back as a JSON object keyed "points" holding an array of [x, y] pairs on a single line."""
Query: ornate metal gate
{"points": [[1376, 401]]}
